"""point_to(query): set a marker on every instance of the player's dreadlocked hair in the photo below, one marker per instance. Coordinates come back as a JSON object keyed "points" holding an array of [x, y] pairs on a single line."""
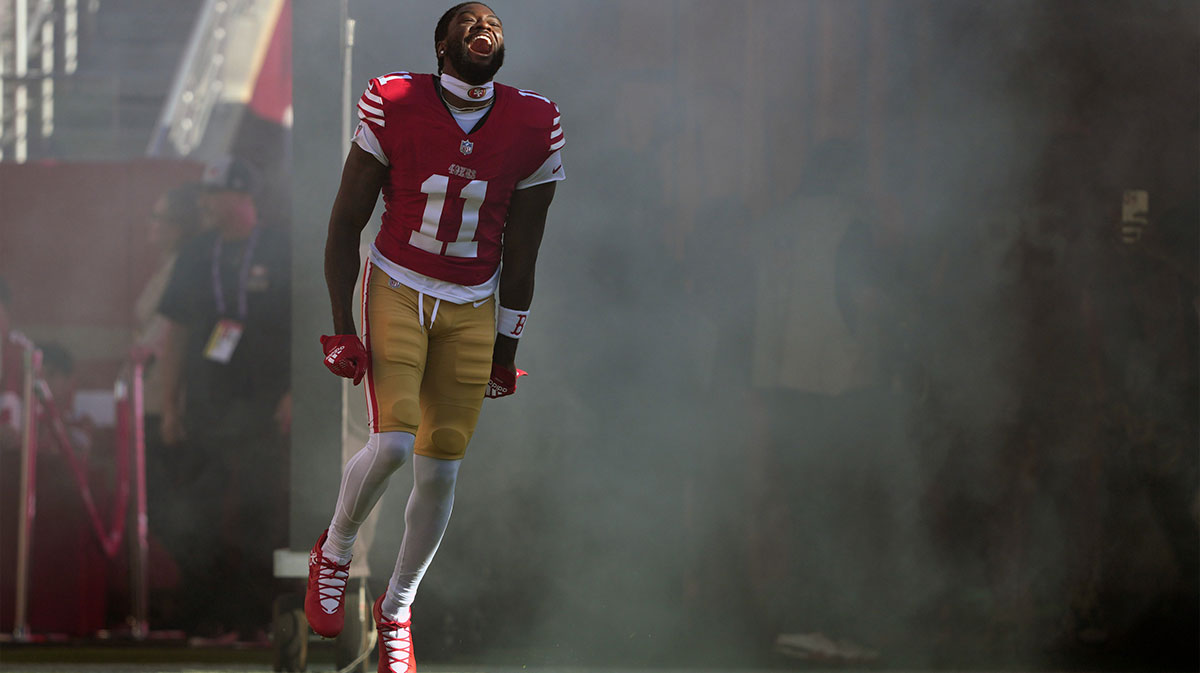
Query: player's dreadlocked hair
{"points": [[443, 26]]}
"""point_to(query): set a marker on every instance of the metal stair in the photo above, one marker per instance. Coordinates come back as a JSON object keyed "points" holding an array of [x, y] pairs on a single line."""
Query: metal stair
{"points": [[105, 101]]}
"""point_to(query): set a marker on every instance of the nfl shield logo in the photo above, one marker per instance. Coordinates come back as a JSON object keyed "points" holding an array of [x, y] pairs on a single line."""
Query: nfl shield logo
{"points": [[466, 147]]}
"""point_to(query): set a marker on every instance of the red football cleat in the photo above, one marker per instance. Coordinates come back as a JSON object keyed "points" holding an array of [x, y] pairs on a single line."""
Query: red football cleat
{"points": [[325, 596], [395, 643]]}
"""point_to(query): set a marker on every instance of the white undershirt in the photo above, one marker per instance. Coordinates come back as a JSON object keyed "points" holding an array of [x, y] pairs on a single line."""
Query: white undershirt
{"points": [[468, 120]]}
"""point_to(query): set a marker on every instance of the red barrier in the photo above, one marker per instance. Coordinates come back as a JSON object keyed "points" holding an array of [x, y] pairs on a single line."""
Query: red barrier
{"points": [[110, 536], [39, 405]]}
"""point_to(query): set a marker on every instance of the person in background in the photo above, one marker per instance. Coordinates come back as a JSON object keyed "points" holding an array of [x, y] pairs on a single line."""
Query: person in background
{"points": [[825, 439], [225, 405], [58, 371], [177, 217], [175, 220]]}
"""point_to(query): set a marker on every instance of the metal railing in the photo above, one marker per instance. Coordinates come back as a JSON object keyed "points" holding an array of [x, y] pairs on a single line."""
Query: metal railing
{"points": [[30, 31], [197, 85], [223, 52], [38, 410]]}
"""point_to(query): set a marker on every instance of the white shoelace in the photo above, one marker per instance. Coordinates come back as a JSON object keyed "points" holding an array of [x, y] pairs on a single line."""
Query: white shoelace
{"points": [[397, 646], [331, 584]]}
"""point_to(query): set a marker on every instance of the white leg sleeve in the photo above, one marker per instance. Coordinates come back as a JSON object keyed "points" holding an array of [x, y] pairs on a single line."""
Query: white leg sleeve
{"points": [[363, 481], [425, 521]]}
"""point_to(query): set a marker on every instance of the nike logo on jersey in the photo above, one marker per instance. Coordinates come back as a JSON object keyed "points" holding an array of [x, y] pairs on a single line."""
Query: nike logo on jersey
{"points": [[556, 169]]}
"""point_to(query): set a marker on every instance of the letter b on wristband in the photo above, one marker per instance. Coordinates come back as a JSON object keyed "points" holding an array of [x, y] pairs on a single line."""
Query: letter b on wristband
{"points": [[511, 323]]}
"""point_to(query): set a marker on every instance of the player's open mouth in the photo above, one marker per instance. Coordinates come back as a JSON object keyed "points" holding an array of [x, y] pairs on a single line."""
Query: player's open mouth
{"points": [[481, 44]]}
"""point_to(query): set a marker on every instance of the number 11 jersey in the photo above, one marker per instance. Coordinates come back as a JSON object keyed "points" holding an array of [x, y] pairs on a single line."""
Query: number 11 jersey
{"points": [[447, 194]]}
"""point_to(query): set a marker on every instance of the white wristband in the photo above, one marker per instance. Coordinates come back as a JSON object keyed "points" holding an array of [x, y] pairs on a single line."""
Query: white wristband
{"points": [[511, 323]]}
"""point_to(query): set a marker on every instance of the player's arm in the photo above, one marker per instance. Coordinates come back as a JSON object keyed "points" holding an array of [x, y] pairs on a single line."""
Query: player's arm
{"points": [[363, 177], [522, 238]]}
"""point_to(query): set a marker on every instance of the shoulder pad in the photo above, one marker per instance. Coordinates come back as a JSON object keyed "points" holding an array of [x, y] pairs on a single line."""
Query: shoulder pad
{"points": [[383, 92], [541, 113]]}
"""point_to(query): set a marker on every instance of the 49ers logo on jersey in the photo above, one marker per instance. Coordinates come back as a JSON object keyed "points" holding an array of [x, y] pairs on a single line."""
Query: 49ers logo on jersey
{"points": [[466, 147], [462, 171]]}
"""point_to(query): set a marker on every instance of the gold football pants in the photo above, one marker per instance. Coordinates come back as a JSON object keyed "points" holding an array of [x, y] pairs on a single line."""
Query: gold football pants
{"points": [[430, 363]]}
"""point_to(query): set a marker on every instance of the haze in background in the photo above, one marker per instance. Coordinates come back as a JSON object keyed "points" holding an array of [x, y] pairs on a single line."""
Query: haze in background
{"points": [[606, 511]]}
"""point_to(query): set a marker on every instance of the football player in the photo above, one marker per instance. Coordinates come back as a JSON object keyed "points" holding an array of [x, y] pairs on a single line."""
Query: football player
{"points": [[467, 168]]}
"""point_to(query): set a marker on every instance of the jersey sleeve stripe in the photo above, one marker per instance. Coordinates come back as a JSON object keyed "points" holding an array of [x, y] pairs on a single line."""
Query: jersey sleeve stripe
{"points": [[375, 120], [556, 120], [556, 133], [370, 109], [558, 144], [531, 94], [373, 98]]}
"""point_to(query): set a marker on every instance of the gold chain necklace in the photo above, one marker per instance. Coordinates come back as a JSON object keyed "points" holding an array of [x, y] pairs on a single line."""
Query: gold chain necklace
{"points": [[464, 110]]}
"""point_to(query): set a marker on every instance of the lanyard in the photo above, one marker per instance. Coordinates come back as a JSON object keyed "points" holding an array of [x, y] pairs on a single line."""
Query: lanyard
{"points": [[243, 276]]}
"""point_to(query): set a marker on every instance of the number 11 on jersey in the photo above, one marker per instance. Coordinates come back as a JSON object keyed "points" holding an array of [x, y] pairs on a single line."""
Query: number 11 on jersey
{"points": [[436, 189]]}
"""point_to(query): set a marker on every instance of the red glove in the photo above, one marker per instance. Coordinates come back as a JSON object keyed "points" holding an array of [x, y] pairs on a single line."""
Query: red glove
{"points": [[346, 356], [504, 381]]}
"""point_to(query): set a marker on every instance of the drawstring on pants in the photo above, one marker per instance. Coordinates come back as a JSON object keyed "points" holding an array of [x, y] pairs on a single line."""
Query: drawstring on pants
{"points": [[421, 310]]}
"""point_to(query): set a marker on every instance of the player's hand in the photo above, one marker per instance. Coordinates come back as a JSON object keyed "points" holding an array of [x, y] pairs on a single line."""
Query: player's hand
{"points": [[504, 381], [346, 356]]}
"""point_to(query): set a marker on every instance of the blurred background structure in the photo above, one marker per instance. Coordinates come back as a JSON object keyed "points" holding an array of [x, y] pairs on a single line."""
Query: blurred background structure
{"points": [[866, 329]]}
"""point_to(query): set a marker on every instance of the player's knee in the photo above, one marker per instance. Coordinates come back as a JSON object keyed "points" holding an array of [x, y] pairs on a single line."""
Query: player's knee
{"points": [[436, 477], [395, 448]]}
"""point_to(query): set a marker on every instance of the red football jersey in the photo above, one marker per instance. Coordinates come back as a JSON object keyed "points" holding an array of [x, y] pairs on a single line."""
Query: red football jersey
{"points": [[447, 195]]}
